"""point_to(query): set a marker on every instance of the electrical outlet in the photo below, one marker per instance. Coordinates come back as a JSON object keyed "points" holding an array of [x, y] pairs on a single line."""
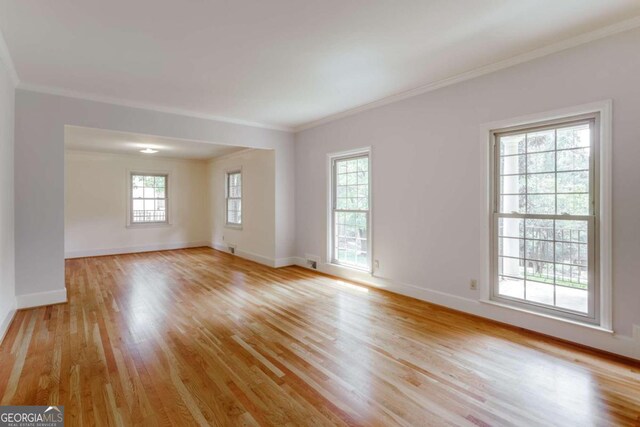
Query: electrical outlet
{"points": [[473, 285], [376, 264], [636, 333]]}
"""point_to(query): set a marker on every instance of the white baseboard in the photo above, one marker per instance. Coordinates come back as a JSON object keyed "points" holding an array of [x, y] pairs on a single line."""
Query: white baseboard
{"points": [[260, 259], [284, 262], [41, 298], [134, 249], [6, 322], [580, 334]]}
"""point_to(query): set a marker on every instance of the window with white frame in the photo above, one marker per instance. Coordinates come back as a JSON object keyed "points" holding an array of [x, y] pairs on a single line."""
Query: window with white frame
{"points": [[149, 198], [234, 198], [545, 215], [350, 211]]}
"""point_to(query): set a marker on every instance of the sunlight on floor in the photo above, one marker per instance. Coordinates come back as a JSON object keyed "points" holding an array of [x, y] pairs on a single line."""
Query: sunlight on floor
{"points": [[352, 286]]}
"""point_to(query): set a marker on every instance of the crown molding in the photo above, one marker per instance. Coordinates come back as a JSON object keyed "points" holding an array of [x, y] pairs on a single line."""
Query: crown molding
{"points": [[145, 106], [5, 58], [235, 154], [601, 33]]}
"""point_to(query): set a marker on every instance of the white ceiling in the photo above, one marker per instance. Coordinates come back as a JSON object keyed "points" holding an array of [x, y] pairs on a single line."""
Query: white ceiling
{"points": [[108, 141], [283, 63]]}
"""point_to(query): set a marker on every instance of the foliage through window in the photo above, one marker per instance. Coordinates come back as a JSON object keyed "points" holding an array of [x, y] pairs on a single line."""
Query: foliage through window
{"points": [[234, 198], [350, 211], [149, 198], [544, 217]]}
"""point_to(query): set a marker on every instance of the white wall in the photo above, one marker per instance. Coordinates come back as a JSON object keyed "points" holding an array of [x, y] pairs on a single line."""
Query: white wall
{"points": [[428, 183], [256, 239], [7, 277], [96, 189], [39, 174]]}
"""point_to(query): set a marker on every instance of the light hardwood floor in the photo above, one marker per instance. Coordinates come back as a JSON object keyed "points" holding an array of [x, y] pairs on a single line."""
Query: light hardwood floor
{"points": [[197, 336]]}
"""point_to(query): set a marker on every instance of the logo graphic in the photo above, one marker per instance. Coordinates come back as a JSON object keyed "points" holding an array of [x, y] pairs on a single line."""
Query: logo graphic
{"points": [[31, 416]]}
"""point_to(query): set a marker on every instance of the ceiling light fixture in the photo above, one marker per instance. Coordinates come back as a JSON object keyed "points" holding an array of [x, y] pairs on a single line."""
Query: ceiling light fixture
{"points": [[148, 151]]}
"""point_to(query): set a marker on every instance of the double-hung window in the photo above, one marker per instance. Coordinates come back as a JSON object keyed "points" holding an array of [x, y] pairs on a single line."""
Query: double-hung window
{"points": [[545, 214], [350, 242], [149, 198], [234, 199]]}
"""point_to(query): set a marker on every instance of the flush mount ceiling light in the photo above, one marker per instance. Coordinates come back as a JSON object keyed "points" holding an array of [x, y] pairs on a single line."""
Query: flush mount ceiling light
{"points": [[148, 151]]}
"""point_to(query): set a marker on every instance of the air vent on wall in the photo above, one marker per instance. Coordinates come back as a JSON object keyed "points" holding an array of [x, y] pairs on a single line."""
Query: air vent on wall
{"points": [[312, 261]]}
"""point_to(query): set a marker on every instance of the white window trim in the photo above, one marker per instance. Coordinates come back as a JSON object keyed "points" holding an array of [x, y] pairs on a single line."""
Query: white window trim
{"points": [[129, 223], [329, 208], [604, 108], [227, 172]]}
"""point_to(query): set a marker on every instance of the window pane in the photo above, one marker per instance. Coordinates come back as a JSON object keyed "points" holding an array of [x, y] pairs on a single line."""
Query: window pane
{"points": [[510, 287], [512, 267], [572, 298], [573, 182], [573, 204], [509, 204], [539, 271], [541, 183], [539, 250], [510, 247], [513, 165], [232, 217], [569, 160], [541, 204], [137, 180], [511, 227], [149, 192], [541, 141], [539, 292], [513, 184], [159, 181], [541, 162], [539, 229], [572, 231], [137, 192], [513, 144], [574, 136]]}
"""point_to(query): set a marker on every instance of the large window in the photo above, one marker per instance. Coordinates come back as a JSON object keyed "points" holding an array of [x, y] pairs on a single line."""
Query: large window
{"points": [[149, 198], [234, 198], [350, 215], [545, 217]]}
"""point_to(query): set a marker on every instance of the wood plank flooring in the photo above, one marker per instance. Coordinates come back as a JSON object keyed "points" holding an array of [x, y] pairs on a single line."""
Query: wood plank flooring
{"points": [[199, 337]]}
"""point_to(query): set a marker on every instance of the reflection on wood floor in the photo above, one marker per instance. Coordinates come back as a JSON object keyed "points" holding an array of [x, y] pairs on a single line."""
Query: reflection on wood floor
{"points": [[198, 336]]}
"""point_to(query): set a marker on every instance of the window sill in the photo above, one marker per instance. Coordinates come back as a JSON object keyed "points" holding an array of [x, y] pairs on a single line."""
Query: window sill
{"points": [[351, 268], [548, 316], [233, 226], [149, 225]]}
